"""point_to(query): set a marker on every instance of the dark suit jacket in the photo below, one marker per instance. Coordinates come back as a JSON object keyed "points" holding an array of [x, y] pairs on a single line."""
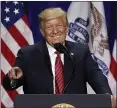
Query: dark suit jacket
{"points": [[37, 73]]}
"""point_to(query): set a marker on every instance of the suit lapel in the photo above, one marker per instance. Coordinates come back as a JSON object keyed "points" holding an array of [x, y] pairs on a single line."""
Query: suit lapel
{"points": [[47, 65], [68, 67]]}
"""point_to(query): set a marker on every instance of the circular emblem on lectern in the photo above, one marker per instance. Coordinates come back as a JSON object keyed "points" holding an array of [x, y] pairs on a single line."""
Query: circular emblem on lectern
{"points": [[63, 105]]}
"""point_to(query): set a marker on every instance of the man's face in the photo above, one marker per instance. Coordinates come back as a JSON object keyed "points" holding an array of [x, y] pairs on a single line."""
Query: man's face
{"points": [[54, 30]]}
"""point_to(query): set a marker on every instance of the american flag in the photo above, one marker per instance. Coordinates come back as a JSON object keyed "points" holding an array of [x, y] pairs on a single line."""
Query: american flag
{"points": [[15, 33]]}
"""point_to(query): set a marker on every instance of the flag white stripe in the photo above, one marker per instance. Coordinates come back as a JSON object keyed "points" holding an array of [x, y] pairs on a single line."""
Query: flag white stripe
{"points": [[24, 30], [112, 83], [6, 100], [20, 90], [9, 40], [5, 66], [114, 51]]}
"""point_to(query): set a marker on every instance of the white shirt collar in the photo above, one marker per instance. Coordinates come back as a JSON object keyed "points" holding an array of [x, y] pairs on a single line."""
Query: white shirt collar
{"points": [[51, 50]]}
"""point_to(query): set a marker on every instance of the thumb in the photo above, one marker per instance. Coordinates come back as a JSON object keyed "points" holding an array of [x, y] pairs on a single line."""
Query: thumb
{"points": [[18, 72], [19, 75]]}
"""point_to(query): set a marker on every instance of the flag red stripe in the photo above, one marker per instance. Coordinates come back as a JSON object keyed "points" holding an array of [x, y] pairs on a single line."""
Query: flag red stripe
{"points": [[113, 68], [17, 36], [25, 19], [7, 53], [2, 105], [11, 94]]}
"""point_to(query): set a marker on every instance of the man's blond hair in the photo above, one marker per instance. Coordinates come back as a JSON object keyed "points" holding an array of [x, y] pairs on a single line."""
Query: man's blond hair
{"points": [[51, 13]]}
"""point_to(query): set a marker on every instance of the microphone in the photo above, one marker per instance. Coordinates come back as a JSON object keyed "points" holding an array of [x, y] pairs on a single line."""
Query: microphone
{"points": [[62, 49]]}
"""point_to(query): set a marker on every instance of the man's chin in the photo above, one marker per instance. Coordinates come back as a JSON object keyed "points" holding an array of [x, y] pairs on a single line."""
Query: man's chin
{"points": [[58, 42], [55, 42]]}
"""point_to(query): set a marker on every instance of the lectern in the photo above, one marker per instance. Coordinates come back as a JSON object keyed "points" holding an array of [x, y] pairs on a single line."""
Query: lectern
{"points": [[63, 101]]}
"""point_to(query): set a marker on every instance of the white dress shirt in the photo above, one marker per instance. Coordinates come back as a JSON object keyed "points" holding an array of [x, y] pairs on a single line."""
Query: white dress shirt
{"points": [[53, 56]]}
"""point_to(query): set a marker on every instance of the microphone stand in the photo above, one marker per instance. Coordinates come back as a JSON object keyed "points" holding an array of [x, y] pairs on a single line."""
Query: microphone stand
{"points": [[62, 49]]}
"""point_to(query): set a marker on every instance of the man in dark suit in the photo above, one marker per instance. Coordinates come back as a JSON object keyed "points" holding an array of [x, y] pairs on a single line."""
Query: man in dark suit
{"points": [[35, 64]]}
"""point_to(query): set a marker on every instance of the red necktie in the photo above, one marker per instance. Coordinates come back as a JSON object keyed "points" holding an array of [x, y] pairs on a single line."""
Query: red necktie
{"points": [[59, 77]]}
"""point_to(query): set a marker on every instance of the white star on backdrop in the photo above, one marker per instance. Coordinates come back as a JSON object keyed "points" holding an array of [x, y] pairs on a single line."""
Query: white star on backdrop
{"points": [[7, 19], [15, 2], [7, 1], [23, 4], [16, 11], [7, 10]]}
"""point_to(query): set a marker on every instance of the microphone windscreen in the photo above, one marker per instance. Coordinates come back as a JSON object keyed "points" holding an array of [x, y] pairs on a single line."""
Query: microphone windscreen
{"points": [[59, 47]]}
